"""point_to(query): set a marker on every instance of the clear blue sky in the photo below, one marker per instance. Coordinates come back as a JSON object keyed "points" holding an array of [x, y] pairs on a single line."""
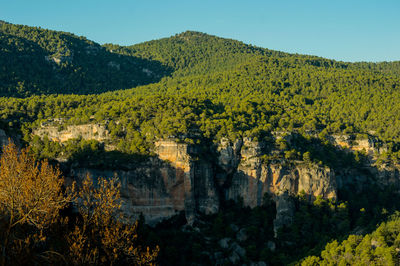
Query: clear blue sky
{"points": [[350, 30]]}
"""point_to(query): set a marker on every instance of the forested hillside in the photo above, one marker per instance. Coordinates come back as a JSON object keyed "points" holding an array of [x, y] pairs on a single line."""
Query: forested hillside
{"points": [[39, 61], [392, 68], [253, 99], [381, 247], [195, 52], [211, 88]]}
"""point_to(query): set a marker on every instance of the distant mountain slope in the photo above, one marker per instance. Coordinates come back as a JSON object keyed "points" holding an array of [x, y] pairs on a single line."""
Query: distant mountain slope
{"points": [[391, 68], [39, 61], [199, 53], [193, 52]]}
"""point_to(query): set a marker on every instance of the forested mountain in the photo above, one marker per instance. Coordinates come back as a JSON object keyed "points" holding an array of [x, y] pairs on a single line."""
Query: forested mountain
{"points": [[199, 53], [195, 52], [392, 68], [299, 92], [39, 61], [202, 91]]}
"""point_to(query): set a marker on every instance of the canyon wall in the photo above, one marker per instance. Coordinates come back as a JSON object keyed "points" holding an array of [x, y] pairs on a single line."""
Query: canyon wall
{"points": [[181, 178], [175, 180]]}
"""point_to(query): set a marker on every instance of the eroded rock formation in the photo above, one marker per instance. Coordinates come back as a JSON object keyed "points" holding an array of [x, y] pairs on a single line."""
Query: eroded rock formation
{"points": [[160, 187], [61, 133], [181, 178]]}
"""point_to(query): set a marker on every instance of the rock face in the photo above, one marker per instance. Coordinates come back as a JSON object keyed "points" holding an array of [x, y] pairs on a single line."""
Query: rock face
{"points": [[252, 179], [165, 185], [182, 178], [179, 180], [3, 138], [88, 131], [196, 177], [370, 145]]}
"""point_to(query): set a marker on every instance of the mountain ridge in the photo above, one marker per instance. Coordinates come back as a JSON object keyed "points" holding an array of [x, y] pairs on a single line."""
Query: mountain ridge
{"points": [[67, 63]]}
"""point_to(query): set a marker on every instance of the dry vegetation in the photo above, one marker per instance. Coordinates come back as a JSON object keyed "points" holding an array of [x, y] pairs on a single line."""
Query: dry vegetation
{"points": [[32, 198]]}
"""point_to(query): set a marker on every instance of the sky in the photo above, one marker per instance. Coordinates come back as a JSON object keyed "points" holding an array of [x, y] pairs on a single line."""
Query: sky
{"points": [[350, 30]]}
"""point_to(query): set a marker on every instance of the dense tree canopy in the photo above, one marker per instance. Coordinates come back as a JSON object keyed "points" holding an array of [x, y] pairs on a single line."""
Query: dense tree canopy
{"points": [[381, 247], [39, 61]]}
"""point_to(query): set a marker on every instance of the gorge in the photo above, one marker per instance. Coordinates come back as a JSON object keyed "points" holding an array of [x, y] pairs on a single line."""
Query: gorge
{"points": [[195, 179]]}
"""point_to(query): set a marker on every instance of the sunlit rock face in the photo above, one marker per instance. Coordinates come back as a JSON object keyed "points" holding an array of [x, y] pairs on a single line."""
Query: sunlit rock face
{"points": [[195, 179], [368, 145], [197, 189], [61, 134], [164, 185], [252, 179]]}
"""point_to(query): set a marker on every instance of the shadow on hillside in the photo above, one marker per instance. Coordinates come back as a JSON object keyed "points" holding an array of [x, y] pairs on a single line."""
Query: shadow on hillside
{"points": [[107, 160], [80, 68]]}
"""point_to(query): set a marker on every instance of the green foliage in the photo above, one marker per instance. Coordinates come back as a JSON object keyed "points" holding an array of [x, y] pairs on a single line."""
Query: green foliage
{"points": [[193, 53], [38, 61], [378, 248]]}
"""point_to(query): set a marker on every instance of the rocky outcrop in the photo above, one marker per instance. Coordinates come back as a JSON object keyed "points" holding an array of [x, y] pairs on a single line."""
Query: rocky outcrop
{"points": [[153, 189], [252, 182], [369, 144], [163, 186], [182, 178], [3, 138], [252, 179], [60, 58], [285, 210], [177, 179], [61, 133], [198, 191]]}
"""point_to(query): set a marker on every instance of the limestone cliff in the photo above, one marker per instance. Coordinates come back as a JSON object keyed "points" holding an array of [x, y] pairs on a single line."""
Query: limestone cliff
{"points": [[248, 178], [178, 179], [164, 185], [61, 134], [252, 178], [182, 178]]}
